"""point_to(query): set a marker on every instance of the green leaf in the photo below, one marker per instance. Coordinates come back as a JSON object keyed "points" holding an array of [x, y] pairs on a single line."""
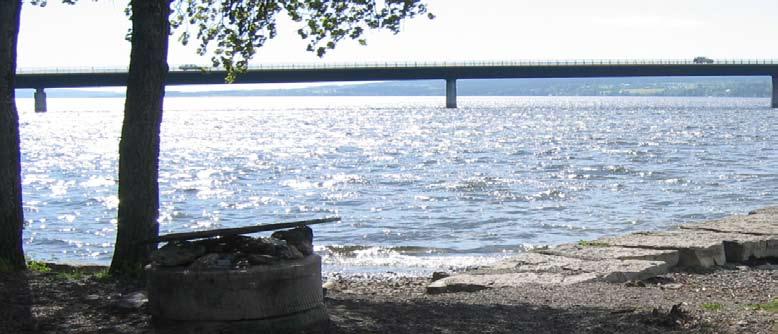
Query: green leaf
{"points": [[233, 30]]}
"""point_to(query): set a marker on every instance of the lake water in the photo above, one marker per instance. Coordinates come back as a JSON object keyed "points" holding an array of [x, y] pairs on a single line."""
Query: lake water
{"points": [[418, 187]]}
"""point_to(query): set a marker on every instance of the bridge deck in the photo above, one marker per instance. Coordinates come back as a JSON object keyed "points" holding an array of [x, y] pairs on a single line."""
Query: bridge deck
{"points": [[279, 73], [40, 79]]}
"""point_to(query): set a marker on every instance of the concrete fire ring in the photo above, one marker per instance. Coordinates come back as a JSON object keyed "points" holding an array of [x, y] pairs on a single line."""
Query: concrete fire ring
{"points": [[273, 292]]}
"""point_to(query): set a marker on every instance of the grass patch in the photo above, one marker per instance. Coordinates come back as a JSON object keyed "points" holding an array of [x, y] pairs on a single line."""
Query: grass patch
{"points": [[38, 266], [712, 306], [769, 306], [76, 274], [102, 275], [588, 243], [73, 275]]}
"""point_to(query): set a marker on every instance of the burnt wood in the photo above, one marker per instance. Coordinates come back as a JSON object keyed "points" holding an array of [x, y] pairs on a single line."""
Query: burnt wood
{"points": [[223, 232]]}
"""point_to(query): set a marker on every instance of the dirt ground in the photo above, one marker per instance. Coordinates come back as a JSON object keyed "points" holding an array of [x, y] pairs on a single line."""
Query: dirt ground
{"points": [[725, 300]]}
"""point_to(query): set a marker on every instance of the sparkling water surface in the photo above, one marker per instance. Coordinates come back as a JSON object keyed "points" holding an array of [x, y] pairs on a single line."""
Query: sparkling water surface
{"points": [[418, 186]]}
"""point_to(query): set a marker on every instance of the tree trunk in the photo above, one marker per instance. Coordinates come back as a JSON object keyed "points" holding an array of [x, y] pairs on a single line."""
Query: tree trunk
{"points": [[139, 145], [11, 215]]}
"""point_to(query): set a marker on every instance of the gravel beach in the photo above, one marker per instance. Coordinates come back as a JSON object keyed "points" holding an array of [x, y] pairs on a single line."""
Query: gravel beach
{"points": [[729, 299]]}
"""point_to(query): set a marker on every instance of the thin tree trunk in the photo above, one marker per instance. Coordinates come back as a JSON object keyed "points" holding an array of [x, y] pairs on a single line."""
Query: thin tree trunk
{"points": [[139, 145], [11, 215]]}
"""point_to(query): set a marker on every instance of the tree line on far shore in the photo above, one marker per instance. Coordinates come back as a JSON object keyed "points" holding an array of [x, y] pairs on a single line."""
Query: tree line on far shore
{"points": [[231, 31]]}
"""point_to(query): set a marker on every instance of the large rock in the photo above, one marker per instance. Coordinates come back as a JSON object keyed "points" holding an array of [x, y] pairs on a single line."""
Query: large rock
{"points": [[476, 282], [703, 248], [770, 210], [695, 248], [607, 270], [541, 269], [177, 253], [631, 257], [227, 244], [263, 246], [289, 252], [299, 237], [742, 248], [606, 252], [757, 224]]}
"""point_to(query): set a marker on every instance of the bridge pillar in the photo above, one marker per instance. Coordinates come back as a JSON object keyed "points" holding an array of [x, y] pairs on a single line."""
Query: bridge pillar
{"points": [[774, 101], [451, 93], [40, 100]]}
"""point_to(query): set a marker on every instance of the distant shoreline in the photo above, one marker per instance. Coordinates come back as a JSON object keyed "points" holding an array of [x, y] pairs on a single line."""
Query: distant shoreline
{"points": [[650, 86]]}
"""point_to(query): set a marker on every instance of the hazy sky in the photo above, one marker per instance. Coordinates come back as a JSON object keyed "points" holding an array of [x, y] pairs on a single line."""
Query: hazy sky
{"points": [[92, 34]]}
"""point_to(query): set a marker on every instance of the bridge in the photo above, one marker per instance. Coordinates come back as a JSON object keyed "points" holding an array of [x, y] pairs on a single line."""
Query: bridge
{"points": [[39, 79]]}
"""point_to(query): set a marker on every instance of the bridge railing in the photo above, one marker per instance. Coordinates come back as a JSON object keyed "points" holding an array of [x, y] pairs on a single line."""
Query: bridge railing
{"points": [[412, 64]]}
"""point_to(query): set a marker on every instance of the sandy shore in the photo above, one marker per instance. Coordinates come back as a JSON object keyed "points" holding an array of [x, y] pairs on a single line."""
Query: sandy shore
{"points": [[730, 299]]}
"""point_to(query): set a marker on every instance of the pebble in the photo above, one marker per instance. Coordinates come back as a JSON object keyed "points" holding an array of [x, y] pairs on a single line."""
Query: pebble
{"points": [[671, 286]]}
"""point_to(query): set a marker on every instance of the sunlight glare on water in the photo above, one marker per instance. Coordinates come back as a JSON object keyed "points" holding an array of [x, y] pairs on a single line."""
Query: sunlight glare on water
{"points": [[497, 175]]}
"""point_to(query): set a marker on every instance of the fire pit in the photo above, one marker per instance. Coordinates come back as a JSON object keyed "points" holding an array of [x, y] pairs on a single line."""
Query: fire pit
{"points": [[236, 283]]}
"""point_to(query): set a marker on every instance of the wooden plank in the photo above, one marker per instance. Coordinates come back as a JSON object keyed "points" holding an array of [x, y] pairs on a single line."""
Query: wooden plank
{"points": [[236, 230]]}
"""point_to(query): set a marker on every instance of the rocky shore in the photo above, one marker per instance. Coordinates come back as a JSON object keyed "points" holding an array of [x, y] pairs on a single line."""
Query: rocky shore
{"points": [[712, 277], [737, 239]]}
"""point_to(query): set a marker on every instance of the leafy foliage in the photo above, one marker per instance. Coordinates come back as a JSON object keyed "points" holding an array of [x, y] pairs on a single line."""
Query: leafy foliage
{"points": [[234, 29], [237, 28], [43, 3], [38, 266]]}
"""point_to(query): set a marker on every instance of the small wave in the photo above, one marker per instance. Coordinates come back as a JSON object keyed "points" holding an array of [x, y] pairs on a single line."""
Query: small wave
{"points": [[402, 258], [331, 182], [474, 184], [675, 180], [547, 195], [97, 183]]}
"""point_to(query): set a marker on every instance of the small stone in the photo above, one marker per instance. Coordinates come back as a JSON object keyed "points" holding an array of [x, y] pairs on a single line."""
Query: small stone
{"points": [[768, 267], [439, 275], [635, 284], [213, 245], [441, 286], [264, 246], [241, 263], [260, 259], [329, 284], [671, 286], [177, 253], [226, 244], [235, 242], [289, 252], [214, 261]]}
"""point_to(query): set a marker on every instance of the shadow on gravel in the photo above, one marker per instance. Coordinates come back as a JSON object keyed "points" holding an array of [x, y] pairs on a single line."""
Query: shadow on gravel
{"points": [[33, 302], [360, 316], [15, 303]]}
